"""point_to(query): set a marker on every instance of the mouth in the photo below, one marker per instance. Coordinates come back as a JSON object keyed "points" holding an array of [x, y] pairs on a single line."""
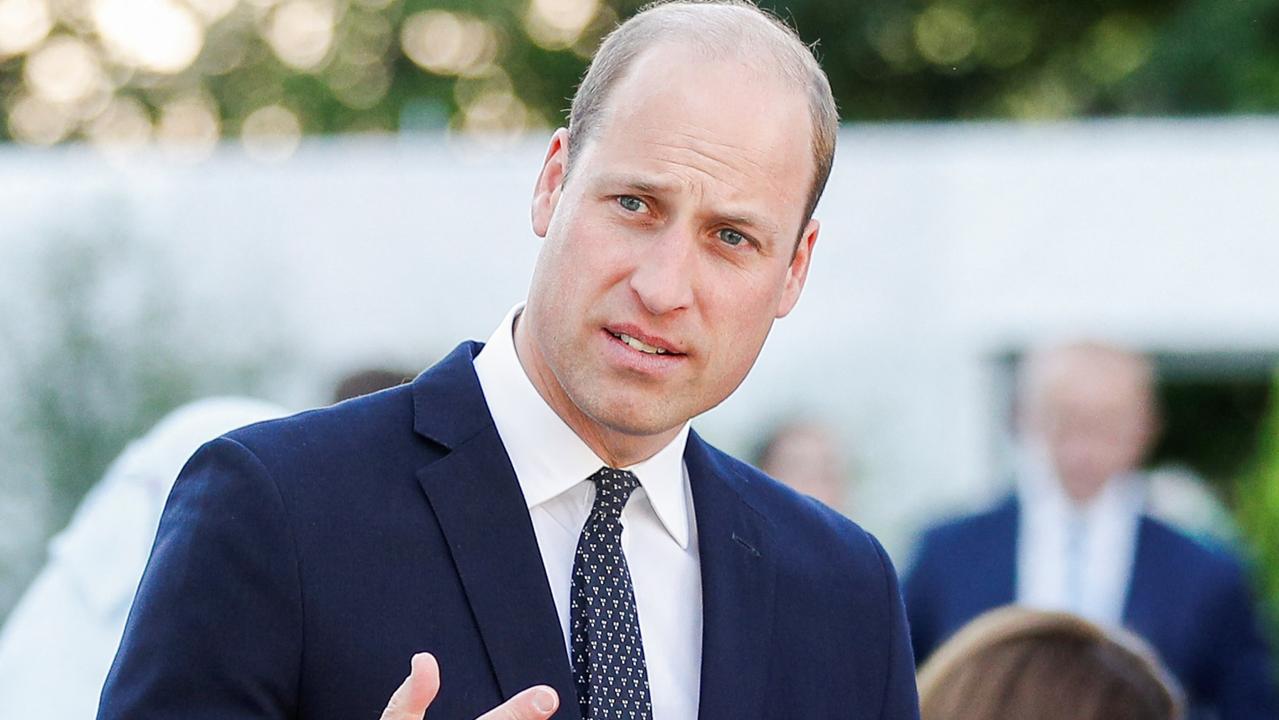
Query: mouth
{"points": [[636, 340], [640, 345]]}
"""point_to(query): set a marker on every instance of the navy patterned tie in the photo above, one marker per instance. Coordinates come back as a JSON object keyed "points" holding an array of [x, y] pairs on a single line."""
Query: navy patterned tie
{"points": [[608, 655]]}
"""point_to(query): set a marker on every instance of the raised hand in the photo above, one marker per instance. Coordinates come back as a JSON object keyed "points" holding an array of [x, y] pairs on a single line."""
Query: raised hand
{"points": [[415, 694]]}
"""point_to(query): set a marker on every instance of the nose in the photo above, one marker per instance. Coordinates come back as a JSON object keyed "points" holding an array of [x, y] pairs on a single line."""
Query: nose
{"points": [[663, 275]]}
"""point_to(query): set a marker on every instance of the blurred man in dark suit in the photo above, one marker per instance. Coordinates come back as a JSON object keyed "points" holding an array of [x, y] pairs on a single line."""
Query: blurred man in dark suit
{"points": [[1075, 537]]}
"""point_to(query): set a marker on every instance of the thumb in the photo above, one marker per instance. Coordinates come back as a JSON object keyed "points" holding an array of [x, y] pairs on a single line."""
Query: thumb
{"points": [[414, 695], [536, 703]]}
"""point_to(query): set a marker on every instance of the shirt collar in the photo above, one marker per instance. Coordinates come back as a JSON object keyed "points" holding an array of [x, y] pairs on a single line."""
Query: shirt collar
{"points": [[548, 457]]}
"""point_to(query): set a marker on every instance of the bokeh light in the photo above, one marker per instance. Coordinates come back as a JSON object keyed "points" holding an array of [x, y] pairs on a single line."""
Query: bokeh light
{"points": [[23, 24], [1116, 47], [893, 38], [359, 86], [492, 114], [212, 10], [271, 134], [1050, 96], [188, 129], [447, 43], [159, 36], [64, 70], [36, 121], [390, 65], [301, 32], [122, 129], [368, 37], [558, 24], [945, 35]]}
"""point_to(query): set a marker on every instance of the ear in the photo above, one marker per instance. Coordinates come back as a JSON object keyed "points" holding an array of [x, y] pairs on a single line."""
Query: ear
{"points": [[546, 193], [797, 273]]}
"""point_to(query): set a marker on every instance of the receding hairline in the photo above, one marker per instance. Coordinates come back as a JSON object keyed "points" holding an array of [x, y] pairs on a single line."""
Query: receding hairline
{"points": [[723, 29], [1044, 367]]}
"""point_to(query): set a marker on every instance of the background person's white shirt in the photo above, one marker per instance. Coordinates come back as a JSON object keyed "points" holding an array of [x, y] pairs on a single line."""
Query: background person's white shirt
{"points": [[1076, 558], [659, 535], [59, 642]]}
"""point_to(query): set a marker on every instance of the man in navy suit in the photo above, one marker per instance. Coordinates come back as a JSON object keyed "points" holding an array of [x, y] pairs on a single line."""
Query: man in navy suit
{"points": [[1075, 537], [534, 511]]}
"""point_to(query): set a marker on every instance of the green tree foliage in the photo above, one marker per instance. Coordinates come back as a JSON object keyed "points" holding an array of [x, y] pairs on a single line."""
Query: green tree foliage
{"points": [[118, 70], [1257, 506]]}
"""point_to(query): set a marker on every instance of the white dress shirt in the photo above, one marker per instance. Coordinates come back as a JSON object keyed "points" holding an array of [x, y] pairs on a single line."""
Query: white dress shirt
{"points": [[659, 535], [1076, 558]]}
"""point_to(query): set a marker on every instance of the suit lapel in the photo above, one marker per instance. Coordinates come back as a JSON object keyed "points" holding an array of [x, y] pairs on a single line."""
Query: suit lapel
{"points": [[738, 572], [480, 508], [1143, 598], [1002, 554]]}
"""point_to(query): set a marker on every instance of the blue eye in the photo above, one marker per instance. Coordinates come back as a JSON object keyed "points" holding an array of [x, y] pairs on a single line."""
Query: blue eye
{"points": [[631, 203], [732, 237]]}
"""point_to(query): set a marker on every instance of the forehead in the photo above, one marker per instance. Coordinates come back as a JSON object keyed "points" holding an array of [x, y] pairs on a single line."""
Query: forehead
{"points": [[727, 126], [1098, 384]]}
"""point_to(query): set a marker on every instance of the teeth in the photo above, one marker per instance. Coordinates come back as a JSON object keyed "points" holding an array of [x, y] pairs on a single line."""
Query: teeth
{"points": [[638, 345]]}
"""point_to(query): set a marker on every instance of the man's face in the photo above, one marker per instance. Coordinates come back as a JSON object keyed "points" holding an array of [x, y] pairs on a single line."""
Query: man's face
{"points": [[671, 245], [1096, 423]]}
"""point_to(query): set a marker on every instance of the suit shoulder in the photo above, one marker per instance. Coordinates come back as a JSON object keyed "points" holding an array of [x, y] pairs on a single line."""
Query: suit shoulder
{"points": [[829, 570], [359, 425], [1209, 562], [968, 527], [804, 524]]}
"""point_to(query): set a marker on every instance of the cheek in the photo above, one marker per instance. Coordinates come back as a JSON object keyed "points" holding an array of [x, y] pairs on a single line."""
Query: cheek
{"points": [[579, 258], [742, 301], [738, 312]]}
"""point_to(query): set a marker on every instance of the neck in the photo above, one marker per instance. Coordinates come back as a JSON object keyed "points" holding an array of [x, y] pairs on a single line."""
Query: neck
{"points": [[617, 449]]}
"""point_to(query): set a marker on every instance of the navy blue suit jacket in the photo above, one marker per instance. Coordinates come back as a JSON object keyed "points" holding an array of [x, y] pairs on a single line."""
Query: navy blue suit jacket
{"points": [[1191, 603], [301, 562]]}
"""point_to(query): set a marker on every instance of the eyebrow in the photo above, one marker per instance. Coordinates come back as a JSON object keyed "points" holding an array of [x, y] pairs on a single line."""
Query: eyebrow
{"points": [[638, 183], [749, 220], [653, 186]]}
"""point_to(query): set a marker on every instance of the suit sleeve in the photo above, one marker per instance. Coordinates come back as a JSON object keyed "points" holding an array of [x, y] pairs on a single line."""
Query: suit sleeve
{"points": [[216, 627], [1241, 677], [918, 597], [901, 700]]}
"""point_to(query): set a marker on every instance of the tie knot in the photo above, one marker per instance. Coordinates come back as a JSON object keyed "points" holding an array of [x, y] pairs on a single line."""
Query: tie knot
{"points": [[613, 488]]}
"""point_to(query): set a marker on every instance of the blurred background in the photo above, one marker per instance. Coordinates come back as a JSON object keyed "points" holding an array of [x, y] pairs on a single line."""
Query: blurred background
{"points": [[259, 196]]}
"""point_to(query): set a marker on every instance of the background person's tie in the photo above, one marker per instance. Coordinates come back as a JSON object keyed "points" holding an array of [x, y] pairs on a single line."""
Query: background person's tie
{"points": [[608, 655]]}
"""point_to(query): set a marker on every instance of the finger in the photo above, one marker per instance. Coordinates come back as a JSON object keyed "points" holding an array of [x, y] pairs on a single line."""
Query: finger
{"points": [[414, 695], [536, 703]]}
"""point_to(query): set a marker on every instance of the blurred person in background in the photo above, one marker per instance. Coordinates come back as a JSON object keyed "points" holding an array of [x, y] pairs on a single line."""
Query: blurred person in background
{"points": [[805, 455], [57, 644], [526, 506], [1075, 536], [1037, 665]]}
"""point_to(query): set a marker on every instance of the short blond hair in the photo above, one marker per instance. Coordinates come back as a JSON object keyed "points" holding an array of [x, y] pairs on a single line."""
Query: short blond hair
{"points": [[720, 27], [1020, 663]]}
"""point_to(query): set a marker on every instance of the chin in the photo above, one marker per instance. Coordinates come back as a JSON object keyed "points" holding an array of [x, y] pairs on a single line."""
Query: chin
{"points": [[637, 417], [1084, 490]]}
